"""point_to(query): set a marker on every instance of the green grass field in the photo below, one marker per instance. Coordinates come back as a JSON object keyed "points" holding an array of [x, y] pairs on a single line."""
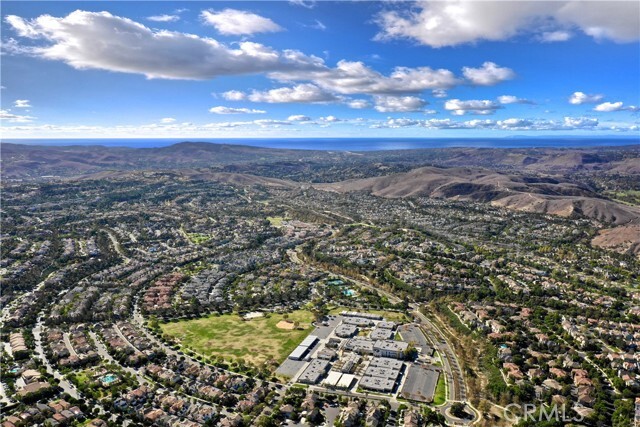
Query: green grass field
{"points": [[440, 394], [629, 197], [276, 221], [256, 341], [198, 238]]}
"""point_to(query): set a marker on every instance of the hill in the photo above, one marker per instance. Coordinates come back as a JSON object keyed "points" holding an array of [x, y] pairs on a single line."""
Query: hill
{"points": [[30, 161], [524, 193]]}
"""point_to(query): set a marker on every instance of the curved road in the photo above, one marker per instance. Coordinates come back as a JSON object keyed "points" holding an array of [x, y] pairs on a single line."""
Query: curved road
{"points": [[455, 380]]}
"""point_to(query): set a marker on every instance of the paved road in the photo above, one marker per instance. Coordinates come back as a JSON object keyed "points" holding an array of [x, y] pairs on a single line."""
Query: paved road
{"points": [[457, 391], [4, 398], [585, 356], [9, 308], [116, 245], [68, 344], [102, 352], [393, 402], [66, 386], [452, 371], [294, 256], [125, 339]]}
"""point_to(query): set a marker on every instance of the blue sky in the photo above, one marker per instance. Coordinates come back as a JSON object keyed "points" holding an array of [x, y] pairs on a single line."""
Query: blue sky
{"points": [[319, 69]]}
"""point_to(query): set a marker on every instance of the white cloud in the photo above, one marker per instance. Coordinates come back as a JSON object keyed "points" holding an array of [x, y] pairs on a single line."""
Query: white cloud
{"points": [[354, 77], [317, 25], [271, 122], [510, 99], [578, 98], [450, 23], [302, 93], [580, 122], [100, 40], [310, 4], [167, 120], [398, 104], [482, 107], [402, 123], [234, 95], [238, 22], [163, 18], [488, 75], [23, 27], [513, 124], [271, 127], [555, 36], [613, 20], [359, 104], [608, 107], [229, 110], [439, 93], [21, 103], [299, 118], [14, 118]]}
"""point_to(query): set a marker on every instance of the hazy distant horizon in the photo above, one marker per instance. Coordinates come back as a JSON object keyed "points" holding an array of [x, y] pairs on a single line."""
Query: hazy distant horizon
{"points": [[346, 143]]}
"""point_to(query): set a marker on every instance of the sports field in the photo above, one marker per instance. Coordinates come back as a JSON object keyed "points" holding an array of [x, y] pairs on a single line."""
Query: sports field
{"points": [[230, 336]]}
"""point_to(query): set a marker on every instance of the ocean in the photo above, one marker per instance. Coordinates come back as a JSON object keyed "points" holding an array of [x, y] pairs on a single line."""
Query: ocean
{"points": [[350, 144]]}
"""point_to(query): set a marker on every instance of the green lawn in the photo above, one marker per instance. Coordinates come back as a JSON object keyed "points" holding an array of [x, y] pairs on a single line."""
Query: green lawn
{"points": [[629, 197], [256, 341], [82, 377], [441, 391], [198, 238], [276, 221]]}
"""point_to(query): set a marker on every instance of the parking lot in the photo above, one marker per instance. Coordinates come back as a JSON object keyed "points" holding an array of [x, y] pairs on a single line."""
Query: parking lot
{"points": [[412, 333], [420, 383], [323, 331], [289, 368]]}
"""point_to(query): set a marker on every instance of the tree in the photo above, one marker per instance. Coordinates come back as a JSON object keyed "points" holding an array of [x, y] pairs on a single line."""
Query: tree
{"points": [[411, 353], [434, 417], [265, 421], [457, 410]]}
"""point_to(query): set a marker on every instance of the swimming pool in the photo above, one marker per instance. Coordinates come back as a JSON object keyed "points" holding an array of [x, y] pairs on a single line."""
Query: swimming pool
{"points": [[108, 379]]}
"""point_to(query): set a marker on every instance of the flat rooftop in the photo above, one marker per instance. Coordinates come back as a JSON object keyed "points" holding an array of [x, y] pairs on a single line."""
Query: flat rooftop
{"points": [[374, 371], [386, 325], [390, 345], [363, 315], [386, 362], [381, 334], [377, 384], [360, 345], [315, 371]]}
